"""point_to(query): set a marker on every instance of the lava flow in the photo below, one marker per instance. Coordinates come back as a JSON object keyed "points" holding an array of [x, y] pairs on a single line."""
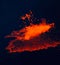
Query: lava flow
{"points": [[32, 37]]}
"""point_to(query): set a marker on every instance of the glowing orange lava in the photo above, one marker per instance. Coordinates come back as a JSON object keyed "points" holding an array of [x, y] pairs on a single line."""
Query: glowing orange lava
{"points": [[29, 38]]}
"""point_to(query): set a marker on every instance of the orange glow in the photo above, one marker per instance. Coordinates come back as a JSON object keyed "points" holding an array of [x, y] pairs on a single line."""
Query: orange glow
{"points": [[35, 30], [27, 16], [29, 38]]}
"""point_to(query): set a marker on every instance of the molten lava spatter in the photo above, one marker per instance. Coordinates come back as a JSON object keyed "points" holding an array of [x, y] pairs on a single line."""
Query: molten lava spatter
{"points": [[29, 38]]}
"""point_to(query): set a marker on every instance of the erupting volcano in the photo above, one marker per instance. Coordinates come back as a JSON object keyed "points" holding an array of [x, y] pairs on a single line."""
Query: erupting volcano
{"points": [[31, 37]]}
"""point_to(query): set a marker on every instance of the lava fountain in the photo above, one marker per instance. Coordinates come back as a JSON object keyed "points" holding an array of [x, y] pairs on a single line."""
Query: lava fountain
{"points": [[32, 37]]}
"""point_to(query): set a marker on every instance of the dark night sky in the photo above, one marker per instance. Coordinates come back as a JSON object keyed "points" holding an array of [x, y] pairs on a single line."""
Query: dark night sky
{"points": [[10, 11]]}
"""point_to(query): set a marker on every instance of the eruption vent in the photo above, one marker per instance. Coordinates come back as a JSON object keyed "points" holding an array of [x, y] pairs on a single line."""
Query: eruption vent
{"points": [[32, 37]]}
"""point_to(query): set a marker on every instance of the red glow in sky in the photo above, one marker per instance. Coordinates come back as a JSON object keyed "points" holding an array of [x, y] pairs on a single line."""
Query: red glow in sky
{"points": [[29, 38]]}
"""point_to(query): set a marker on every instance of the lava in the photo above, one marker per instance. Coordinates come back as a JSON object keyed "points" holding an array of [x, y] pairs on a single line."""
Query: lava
{"points": [[30, 37]]}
